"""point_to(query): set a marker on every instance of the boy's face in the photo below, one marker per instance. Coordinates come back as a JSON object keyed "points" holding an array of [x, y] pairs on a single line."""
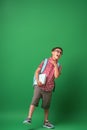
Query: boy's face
{"points": [[56, 54]]}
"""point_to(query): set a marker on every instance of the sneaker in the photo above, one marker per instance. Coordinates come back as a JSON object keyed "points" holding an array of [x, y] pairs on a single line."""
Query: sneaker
{"points": [[47, 124], [27, 121]]}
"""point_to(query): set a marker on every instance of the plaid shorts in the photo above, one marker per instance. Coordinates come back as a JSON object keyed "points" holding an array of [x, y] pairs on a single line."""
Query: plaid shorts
{"points": [[44, 95]]}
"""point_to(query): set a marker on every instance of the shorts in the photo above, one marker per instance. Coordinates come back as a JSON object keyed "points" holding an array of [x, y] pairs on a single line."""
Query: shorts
{"points": [[44, 95]]}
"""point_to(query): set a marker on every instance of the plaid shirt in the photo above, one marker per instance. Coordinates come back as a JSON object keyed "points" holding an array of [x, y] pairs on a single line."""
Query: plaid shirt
{"points": [[49, 71]]}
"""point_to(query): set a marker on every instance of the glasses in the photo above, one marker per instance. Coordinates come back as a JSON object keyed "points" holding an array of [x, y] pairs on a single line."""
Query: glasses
{"points": [[59, 52]]}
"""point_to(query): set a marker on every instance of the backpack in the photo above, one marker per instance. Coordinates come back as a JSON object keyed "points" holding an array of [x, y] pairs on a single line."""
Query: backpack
{"points": [[43, 68]]}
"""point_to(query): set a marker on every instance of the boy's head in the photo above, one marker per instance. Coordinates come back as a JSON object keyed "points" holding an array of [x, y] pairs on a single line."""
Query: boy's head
{"points": [[57, 52]]}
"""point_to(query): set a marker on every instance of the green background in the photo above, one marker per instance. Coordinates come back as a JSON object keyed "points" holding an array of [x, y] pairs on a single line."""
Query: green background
{"points": [[29, 29]]}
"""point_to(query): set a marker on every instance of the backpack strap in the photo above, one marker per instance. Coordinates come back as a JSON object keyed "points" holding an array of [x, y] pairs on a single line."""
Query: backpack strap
{"points": [[44, 65]]}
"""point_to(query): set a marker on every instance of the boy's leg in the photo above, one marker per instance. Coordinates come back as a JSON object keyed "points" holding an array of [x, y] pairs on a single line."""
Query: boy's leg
{"points": [[31, 110], [34, 103], [46, 112], [46, 100], [47, 124]]}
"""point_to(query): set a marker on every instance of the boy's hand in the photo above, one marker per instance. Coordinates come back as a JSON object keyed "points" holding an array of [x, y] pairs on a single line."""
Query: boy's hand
{"points": [[39, 83]]}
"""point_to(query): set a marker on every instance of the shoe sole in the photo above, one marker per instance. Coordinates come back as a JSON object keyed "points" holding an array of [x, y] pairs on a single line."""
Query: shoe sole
{"points": [[48, 127], [26, 123]]}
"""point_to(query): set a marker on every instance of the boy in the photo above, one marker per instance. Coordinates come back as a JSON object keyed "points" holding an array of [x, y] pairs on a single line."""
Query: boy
{"points": [[52, 71]]}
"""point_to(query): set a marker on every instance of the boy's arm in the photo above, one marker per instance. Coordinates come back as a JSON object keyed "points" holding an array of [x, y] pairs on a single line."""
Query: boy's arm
{"points": [[37, 76], [57, 70]]}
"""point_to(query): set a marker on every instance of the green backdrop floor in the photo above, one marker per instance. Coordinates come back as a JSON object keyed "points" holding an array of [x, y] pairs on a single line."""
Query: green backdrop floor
{"points": [[14, 121]]}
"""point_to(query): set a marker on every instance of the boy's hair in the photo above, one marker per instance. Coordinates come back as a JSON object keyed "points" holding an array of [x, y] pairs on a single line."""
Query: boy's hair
{"points": [[57, 48]]}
